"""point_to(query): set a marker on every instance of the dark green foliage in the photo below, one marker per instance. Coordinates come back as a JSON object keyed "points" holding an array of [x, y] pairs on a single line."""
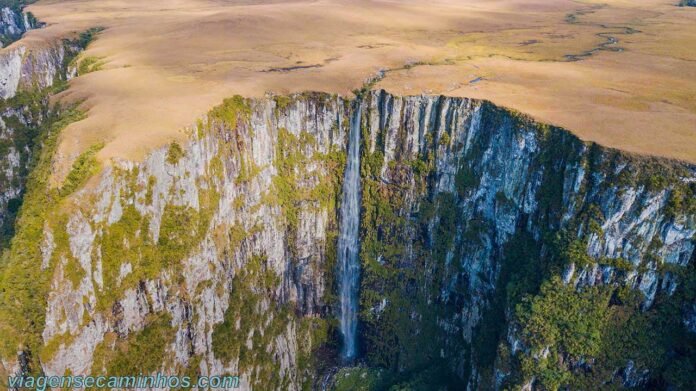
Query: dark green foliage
{"points": [[521, 274], [361, 379], [86, 37], [568, 322], [174, 153], [607, 327], [403, 273], [141, 352], [682, 200], [559, 149], [412, 246], [25, 140], [576, 253], [465, 180], [388, 334], [562, 317], [434, 377]]}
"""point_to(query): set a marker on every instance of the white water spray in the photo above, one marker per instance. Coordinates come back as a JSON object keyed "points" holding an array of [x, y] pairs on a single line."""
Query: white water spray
{"points": [[348, 246]]}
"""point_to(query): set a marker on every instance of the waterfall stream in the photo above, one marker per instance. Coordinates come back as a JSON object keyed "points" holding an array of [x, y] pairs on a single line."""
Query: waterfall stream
{"points": [[348, 261]]}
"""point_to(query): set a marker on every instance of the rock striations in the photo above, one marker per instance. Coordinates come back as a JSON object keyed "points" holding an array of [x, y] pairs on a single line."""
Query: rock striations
{"points": [[220, 256]]}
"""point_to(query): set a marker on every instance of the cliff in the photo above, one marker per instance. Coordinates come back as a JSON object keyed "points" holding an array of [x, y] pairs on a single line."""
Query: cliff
{"points": [[28, 77], [14, 22], [219, 255]]}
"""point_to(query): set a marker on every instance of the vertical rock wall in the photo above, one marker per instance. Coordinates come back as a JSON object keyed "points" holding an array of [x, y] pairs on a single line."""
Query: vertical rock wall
{"points": [[27, 78], [225, 248]]}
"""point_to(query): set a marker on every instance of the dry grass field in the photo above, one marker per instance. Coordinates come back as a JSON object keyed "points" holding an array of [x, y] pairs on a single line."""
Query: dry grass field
{"points": [[622, 73]]}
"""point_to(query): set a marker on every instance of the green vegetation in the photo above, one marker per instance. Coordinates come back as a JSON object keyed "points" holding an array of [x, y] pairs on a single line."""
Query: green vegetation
{"points": [[89, 64], [248, 332], [151, 181], [231, 111], [282, 102], [682, 200], [292, 164], [414, 287], [84, 167], [22, 307], [403, 274], [392, 325], [567, 322], [140, 352], [294, 187], [15, 4], [566, 325], [86, 37], [465, 180], [23, 286], [17, 7], [30, 115], [28, 110], [606, 327], [128, 240], [174, 153], [369, 379]]}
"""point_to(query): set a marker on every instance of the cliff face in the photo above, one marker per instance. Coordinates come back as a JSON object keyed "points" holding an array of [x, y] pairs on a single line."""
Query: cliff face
{"points": [[27, 78], [219, 256], [14, 22], [471, 211]]}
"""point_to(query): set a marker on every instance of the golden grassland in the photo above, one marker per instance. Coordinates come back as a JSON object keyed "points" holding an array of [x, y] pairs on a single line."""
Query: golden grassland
{"points": [[621, 73]]}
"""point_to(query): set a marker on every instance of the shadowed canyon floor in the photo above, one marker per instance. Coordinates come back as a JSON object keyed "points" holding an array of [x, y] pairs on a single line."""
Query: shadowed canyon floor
{"points": [[616, 72]]}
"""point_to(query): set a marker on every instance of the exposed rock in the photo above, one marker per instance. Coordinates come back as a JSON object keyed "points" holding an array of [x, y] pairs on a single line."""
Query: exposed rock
{"points": [[14, 23], [257, 197], [29, 73]]}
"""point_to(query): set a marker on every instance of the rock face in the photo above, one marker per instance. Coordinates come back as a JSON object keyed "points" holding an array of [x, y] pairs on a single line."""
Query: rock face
{"points": [[27, 77], [14, 22], [26, 70], [219, 256]]}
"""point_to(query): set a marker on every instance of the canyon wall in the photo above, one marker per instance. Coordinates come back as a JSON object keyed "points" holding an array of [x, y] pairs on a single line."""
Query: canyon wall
{"points": [[28, 76], [14, 22], [218, 256]]}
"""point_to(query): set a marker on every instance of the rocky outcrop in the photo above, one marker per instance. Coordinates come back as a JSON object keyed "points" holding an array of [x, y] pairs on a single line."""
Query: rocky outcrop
{"points": [[27, 77], [494, 189], [23, 69], [227, 181], [14, 22], [222, 252]]}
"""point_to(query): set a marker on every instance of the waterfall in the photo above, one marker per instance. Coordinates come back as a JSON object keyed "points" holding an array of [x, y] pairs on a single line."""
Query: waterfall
{"points": [[348, 261]]}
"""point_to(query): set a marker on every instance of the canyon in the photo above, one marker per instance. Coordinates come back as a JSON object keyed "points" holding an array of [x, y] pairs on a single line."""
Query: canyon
{"points": [[317, 240], [220, 254]]}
